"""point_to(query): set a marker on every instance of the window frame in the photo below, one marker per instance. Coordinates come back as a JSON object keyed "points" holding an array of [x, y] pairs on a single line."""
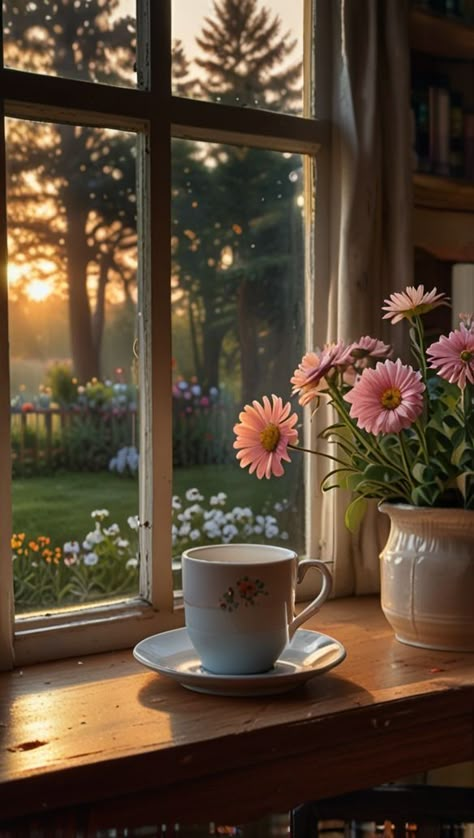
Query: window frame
{"points": [[157, 116]]}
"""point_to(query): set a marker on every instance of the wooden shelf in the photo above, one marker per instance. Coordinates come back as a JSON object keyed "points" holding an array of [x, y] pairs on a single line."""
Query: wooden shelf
{"points": [[109, 744], [442, 36], [443, 193]]}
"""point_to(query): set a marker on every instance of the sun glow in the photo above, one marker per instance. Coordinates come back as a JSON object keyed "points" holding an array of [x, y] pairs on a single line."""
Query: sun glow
{"points": [[38, 290]]}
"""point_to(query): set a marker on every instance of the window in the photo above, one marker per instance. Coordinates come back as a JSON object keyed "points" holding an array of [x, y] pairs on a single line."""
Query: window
{"points": [[159, 205]]}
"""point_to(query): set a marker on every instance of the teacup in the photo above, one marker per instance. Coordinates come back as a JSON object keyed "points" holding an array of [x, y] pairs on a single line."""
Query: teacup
{"points": [[239, 603]]}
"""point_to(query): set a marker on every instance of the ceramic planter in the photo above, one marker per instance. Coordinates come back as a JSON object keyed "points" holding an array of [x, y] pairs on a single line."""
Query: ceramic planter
{"points": [[427, 576]]}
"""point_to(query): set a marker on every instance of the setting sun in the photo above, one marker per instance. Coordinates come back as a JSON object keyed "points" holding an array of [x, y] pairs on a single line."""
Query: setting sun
{"points": [[38, 290]]}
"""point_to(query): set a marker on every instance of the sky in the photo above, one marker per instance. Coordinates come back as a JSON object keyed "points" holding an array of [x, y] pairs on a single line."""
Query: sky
{"points": [[188, 15]]}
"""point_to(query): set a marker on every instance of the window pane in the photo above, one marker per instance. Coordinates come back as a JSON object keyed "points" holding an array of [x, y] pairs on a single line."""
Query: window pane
{"points": [[238, 330], [240, 52], [72, 310], [92, 40]]}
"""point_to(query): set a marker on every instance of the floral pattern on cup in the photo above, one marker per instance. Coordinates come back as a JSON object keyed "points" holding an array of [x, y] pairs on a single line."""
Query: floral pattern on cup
{"points": [[245, 593]]}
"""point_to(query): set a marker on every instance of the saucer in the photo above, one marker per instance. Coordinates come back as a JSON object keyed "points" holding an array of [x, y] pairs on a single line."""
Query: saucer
{"points": [[308, 654]]}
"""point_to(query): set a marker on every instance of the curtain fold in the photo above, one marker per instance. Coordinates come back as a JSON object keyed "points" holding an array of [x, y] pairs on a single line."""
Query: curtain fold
{"points": [[370, 242]]}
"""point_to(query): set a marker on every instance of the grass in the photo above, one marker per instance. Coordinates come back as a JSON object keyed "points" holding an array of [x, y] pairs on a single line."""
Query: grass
{"points": [[60, 505]]}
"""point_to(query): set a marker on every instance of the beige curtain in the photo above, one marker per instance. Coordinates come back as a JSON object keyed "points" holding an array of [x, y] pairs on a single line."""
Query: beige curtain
{"points": [[369, 233]]}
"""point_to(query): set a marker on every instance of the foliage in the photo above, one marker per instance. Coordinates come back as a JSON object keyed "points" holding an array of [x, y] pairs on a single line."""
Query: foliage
{"points": [[61, 384], [236, 272], [103, 565], [199, 520], [80, 214], [400, 434]]}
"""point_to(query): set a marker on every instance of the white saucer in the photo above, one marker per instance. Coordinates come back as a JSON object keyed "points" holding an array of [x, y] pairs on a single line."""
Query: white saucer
{"points": [[172, 653]]}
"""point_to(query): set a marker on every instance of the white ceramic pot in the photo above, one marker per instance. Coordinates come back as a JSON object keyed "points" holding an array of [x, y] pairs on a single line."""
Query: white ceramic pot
{"points": [[427, 576]]}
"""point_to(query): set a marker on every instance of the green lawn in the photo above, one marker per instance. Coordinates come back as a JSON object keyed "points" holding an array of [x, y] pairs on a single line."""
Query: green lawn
{"points": [[60, 505]]}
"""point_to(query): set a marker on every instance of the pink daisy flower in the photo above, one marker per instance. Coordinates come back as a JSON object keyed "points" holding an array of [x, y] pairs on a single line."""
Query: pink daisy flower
{"points": [[263, 435], [308, 378], [387, 399], [467, 319], [367, 347], [453, 356], [412, 301]]}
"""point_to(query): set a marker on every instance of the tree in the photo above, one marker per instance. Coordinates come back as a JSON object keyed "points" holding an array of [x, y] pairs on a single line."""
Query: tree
{"points": [[245, 57], [71, 189], [235, 213]]}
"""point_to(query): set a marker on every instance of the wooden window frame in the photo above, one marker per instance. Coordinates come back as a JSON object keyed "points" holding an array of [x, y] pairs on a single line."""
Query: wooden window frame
{"points": [[156, 116]]}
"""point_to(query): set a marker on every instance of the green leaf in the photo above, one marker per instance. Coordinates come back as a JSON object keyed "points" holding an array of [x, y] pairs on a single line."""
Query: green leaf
{"points": [[355, 513], [423, 473], [342, 474], [381, 474], [425, 495]]}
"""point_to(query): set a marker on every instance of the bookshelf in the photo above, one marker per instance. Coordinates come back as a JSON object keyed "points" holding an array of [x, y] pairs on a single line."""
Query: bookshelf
{"points": [[442, 48]]}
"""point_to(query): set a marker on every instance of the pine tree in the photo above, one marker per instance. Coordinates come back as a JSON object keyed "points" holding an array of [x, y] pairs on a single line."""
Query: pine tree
{"points": [[246, 57]]}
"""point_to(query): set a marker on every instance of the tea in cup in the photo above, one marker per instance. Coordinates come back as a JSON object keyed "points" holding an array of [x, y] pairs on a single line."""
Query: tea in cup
{"points": [[239, 604]]}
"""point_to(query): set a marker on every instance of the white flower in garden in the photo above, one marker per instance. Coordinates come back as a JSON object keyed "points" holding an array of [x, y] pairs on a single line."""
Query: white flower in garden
{"points": [[175, 502], [195, 509], [271, 531], [229, 532], [194, 495], [240, 513], [90, 559], [211, 530], [133, 562], [122, 542], [114, 529], [284, 535], [70, 560], [194, 535], [100, 514], [71, 547], [248, 530], [185, 529], [94, 537], [219, 499], [258, 530], [133, 522]]}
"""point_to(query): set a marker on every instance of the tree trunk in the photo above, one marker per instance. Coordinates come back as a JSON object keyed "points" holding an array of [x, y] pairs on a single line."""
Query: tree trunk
{"points": [[248, 326], [212, 347], [84, 353], [85, 357]]}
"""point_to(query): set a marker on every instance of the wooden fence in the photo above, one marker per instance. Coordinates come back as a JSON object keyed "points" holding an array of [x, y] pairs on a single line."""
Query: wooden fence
{"points": [[80, 439]]}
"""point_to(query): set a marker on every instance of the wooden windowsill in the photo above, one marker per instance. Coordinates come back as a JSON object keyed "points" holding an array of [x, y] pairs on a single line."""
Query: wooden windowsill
{"points": [[112, 744]]}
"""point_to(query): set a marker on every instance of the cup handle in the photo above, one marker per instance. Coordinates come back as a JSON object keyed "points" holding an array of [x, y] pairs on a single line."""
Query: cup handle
{"points": [[315, 605]]}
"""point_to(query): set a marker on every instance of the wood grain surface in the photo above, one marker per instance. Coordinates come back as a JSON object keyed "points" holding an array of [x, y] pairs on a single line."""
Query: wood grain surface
{"points": [[110, 743]]}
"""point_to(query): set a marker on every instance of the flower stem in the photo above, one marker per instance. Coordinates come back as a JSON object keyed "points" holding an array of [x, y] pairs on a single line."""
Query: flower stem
{"points": [[321, 454], [401, 440]]}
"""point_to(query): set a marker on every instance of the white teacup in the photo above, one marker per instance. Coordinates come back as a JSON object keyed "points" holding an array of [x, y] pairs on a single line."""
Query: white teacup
{"points": [[239, 603]]}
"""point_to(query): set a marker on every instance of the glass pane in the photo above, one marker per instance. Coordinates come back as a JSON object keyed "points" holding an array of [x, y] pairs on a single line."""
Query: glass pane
{"points": [[72, 310], [92, 40], [238, 330], [247, 53]]}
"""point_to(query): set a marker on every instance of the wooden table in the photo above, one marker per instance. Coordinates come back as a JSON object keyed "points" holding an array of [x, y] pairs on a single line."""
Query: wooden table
{"points": [[106, 742]]}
